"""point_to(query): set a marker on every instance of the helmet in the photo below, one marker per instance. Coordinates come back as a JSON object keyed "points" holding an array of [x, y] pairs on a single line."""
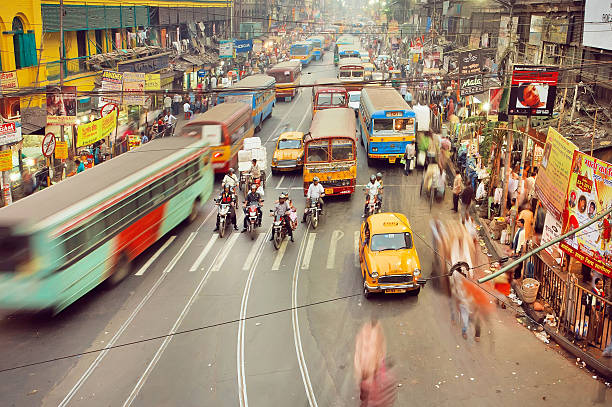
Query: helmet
{"points": [[226, 187], [231, 171], [378, 175], [372, 177], [315, 179], [254, 186], [282, 196]]}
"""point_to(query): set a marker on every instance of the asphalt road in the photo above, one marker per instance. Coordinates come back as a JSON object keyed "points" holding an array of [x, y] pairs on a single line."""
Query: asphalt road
{"points": [[204, 287]]}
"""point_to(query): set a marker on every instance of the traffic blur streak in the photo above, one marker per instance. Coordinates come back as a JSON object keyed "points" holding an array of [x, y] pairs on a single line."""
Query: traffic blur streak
{"points": [[374, 373], [455, 253]]}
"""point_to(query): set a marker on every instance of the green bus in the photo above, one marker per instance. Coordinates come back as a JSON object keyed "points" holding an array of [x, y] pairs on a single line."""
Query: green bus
{"points": [[59, 243]]}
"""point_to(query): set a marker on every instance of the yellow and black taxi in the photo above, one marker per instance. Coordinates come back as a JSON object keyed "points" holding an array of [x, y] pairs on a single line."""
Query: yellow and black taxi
{"points": [[289, 152], [387, 256]]}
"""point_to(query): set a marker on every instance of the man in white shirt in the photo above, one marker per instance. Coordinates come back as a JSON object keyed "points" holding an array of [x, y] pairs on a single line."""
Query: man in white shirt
{"points": [[371, 189], [481, 191], [167, 102], [315, 192], [187, 110], [213, 82], [230, 179]]}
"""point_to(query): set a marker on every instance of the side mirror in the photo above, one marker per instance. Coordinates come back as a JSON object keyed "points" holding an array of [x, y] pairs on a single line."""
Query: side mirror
{"points": [[421, 281]]}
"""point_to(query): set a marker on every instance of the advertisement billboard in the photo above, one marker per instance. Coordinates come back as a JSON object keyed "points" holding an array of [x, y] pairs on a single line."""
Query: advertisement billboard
{"points": [[8, 81], [10, 133], [589, 193], [243, 46], [470, 70], [226, 49], [61, 105], [597, 24], [554, 172], [133, 88], [112, 85], [533, 91]]}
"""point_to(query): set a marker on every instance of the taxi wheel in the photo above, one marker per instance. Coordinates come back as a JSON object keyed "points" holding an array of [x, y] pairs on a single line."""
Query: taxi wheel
{"points": [[366, 293], [414, 293]]}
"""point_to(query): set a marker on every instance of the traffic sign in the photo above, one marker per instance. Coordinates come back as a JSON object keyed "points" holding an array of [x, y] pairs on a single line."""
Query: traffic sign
{"points": [[48, 144], [107, 109]]}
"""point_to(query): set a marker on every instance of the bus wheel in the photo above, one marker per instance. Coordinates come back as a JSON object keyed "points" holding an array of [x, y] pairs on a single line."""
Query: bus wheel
{"points": [[370, 162], [258, 128], [195, 211], [120, 271]]}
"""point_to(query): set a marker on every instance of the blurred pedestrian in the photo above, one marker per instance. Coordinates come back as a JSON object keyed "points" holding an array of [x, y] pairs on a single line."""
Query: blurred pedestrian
{"points": [[143, 138], [80, 166], [595, 329], [457, 189], [467, 195], [527, 216]]}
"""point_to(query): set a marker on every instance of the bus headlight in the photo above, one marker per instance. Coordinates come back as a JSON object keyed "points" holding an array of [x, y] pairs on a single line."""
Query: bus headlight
{"points": [[375, 149]]}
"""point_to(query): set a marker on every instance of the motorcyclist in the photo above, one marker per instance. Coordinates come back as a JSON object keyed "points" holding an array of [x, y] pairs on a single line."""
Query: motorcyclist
{"points": [[379, 196], [254, 171], [315, 192], [371, 189], [227, 197], [230, 179], [282, 209], [253, 197]]}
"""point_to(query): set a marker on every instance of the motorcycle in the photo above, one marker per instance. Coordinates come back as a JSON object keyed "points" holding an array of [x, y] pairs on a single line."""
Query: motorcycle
{"points": [[253, 220], [279, 230], [373, 205], [223, 212], [313, 213]]}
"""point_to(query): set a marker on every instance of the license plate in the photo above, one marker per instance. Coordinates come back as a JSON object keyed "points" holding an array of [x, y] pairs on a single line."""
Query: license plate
{"points": [[392, 159], [396, 291], [329, 191]]}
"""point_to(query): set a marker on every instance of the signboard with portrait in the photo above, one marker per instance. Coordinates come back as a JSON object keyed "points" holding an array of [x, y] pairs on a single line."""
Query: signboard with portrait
{"points": [[597, 31], [61, 105], [533, 91], [589, 193], [554, 172]]}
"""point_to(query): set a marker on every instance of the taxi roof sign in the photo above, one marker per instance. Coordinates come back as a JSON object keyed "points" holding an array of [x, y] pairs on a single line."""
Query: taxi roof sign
{"points": [[390, 223]]}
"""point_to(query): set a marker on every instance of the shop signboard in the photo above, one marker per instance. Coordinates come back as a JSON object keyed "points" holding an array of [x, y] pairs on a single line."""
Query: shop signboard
{"points": [[112, 85], [8, 81], [597, 31], [589, 193], [153, 63], [152, 81], [533, 91], [61, 150], [554, 172], [242, 46], [61, 105], [6, 160], [226, 49], [471, 85], [133, 88], [10, 133], [91, 132]]}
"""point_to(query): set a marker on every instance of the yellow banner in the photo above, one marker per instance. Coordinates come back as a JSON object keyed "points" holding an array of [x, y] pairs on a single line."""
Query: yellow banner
{"points": [[61, 150], [89, 133], [152, 81], [6, 160]]}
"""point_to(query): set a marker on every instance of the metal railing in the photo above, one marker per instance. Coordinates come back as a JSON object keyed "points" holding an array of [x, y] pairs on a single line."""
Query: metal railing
{"points": [[588, 326]]}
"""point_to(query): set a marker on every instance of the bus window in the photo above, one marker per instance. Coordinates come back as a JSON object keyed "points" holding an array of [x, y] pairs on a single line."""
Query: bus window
{"points": [[342, 150], [345, 74], [383, 124], [318, 151], [238, 134], [404, 124], [357, 74]]}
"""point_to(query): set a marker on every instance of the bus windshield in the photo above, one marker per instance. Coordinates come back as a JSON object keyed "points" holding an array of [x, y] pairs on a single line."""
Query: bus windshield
{"points": [[317, 151], [282, 77], [299, 50], [342, 150], [331, 99], [394, 124]]}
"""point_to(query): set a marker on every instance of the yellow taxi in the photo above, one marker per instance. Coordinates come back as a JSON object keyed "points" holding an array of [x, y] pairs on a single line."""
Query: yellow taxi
{"points": [[289, 152], [388, 259]]}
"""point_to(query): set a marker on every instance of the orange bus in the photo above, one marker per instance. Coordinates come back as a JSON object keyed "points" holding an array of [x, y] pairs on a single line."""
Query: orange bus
{"points": [[232, 122], [287, 75], [328, 93], [330, 152]]}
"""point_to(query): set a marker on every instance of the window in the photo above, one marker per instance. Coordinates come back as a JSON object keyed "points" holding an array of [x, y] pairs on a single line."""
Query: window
{"points": [[318, 151], [24, 45], [289, 144], [238, 134], [357, 74], [345, 74], [404, 124], [355, 97], [342, 150], [383, 124], [391, 241]]}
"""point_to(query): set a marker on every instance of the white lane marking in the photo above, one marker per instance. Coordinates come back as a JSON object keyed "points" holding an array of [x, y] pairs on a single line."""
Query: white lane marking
{"points": [[155, 256], [170, 335], [356, 250], [304, 117], [122, 329], [124, 326], [225, 252], [297, 340], [279, 256], [181, 252], [283, 121], [202, 255], [331, 255], [242, 390], [280, 182], [308, 253], [253, 252]]}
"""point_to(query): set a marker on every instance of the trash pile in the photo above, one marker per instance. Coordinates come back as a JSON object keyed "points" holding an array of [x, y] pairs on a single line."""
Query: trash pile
{"points": [[514, 298]]}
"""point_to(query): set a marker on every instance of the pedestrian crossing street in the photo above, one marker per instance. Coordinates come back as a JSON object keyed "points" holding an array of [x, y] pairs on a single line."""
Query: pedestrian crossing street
{"points": [[326, 246]]}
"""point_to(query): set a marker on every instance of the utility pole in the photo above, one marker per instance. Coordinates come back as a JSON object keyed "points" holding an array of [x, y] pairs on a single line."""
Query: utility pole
{"points": [[509, 138], [61, 83]]}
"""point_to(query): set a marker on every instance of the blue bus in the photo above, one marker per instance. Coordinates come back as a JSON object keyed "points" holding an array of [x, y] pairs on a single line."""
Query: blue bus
{"points": [[303, 50], [318, 43], [386, 123], [257, 91]]}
